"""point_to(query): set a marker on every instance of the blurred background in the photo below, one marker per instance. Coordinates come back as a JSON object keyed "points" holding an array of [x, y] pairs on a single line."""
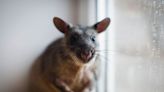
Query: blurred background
{"points": [[132, 47]]}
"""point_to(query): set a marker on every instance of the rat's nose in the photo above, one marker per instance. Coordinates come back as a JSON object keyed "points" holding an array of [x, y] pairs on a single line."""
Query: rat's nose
{"points": [[87, 54]]}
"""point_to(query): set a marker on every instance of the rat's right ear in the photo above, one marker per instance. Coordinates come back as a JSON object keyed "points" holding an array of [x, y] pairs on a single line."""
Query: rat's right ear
{"points": [[61, 25], [102, 25]]}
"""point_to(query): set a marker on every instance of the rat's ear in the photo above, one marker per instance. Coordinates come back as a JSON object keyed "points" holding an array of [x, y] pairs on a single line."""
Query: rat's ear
{"points": [[102, 25], [61, 25]]}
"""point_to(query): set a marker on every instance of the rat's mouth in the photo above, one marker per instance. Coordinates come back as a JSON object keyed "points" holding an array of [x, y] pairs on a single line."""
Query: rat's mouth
{"points": [[86, 55]]}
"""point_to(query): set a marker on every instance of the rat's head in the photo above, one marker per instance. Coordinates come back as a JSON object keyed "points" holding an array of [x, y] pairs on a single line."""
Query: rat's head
{"points": [[82, 41]]}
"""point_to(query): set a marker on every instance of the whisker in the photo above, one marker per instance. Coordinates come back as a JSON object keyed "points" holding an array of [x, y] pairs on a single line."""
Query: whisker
{"points": [[107, 51], [105, 58]]}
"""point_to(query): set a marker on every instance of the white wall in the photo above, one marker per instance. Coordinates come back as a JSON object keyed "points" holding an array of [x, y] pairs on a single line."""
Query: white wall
{"points": [[26, 28], [86, 12]]}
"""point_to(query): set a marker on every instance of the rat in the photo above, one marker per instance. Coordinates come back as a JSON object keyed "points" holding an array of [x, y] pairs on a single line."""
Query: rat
{"points": [[70, 63]]}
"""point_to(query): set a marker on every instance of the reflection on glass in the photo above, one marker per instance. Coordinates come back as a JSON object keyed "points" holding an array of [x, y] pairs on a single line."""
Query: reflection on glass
{"points": [[138, 46]]}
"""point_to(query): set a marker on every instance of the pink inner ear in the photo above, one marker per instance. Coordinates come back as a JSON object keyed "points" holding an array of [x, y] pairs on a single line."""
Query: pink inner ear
{"points": [[103, 25], [60, 25]]}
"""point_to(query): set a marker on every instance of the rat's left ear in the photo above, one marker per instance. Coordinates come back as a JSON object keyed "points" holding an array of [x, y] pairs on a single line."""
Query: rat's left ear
{"points": [[61, 25], [102, 25]]}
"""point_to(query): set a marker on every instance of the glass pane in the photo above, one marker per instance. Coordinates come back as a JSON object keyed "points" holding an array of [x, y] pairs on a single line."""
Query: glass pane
{"points": [[137, 47]]}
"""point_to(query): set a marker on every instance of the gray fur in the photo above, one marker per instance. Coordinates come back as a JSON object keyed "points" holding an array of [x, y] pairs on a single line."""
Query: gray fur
{"points": [[69, 64]]}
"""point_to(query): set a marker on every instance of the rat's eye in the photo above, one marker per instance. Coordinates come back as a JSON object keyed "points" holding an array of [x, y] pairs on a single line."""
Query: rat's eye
{"points": [[93, 38]]}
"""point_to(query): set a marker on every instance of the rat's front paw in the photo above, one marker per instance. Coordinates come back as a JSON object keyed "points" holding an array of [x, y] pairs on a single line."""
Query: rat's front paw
{"points": [[63, 86]]}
